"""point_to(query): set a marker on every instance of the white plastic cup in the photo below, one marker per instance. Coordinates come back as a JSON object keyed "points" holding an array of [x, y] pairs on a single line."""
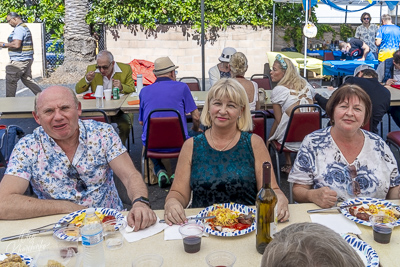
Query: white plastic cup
{"points": [[112, 232], [107, 94], [151, 260], [139, 83], [220, 258], [99, 91], [191, 235]]}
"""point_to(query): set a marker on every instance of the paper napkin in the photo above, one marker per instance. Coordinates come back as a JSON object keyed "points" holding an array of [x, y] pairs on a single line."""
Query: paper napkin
{"points": [[172, 232], [337, 222], [150, 231]]}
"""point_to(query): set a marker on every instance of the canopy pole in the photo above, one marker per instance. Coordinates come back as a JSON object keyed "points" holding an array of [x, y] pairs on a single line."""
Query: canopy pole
{"points": [[380, 14], [305, 45], [203, 72], [395, 20], [273, 27], [345, 17]]}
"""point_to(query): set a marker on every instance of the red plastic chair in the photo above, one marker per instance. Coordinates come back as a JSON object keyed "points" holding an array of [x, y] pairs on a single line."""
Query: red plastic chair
{"points": [[300, 124], [260, 123], [163, 133], [263, 82], [393, 138], [329, 56], [89, 115], [193, 85]]}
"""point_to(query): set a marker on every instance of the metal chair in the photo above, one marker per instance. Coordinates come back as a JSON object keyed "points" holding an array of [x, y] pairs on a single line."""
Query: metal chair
{"points": [[260, 123], [164, 134], [193, 86], [300, 124]]}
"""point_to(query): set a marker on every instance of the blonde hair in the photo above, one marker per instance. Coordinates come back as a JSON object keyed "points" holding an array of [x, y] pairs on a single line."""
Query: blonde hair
{"points": [[238, 64], [232, 89], [291, 79]]}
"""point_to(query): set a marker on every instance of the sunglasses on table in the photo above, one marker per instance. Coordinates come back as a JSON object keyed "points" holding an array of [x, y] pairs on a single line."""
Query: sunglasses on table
{"points": [[354, 187], [103, 67], [73, 174]]}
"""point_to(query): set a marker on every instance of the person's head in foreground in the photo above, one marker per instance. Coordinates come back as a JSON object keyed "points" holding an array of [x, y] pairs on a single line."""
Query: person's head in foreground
{"points": [[238, 64], [105, 63], [164, 67], [309, 245], [284, 73], [229, 91], [358, 71], [57, 110], [349, 108], [396, 59], [227, 54]]}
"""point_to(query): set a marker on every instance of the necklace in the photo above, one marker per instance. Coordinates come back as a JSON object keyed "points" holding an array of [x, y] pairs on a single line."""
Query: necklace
{"points": [[215, 147]]}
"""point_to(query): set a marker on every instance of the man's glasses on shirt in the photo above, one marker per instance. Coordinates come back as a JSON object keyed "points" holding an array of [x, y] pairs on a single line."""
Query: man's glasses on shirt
{"points": [[103, 67], [354, 187], [73, 174], [366, 18]]}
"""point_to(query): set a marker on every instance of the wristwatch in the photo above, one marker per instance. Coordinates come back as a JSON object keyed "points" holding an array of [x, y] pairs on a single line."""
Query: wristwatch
{"points": [[145, 200], [4, 44]]}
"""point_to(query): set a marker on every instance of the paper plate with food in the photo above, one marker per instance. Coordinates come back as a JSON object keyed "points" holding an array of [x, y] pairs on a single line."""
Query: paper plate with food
{"points": [[367, 254], [230, 219], [369, 206], [15, 259], [76, 219]]}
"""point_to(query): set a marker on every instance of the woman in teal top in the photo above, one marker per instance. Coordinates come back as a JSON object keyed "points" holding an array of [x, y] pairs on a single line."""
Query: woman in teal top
{"points": [[224, 164]]}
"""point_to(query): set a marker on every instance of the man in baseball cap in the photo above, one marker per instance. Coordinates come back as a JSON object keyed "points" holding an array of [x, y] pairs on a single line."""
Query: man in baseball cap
{"points": [[166, 93]]}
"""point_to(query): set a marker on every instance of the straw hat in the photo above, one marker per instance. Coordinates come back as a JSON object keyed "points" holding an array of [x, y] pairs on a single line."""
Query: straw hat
{"points": [[227, 54], [163, 65]]}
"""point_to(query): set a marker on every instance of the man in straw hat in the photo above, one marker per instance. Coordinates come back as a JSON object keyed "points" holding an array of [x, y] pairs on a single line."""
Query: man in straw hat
{"points": [[166, 92]]}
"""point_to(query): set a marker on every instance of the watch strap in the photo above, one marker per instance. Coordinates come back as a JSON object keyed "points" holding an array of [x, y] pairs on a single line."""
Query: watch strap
{"points": [[145, 200]]}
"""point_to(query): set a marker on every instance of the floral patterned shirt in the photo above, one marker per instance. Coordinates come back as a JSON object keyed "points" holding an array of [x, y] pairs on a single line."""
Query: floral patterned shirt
{"points": [[367, 35], [321, 163], [38, 159]]}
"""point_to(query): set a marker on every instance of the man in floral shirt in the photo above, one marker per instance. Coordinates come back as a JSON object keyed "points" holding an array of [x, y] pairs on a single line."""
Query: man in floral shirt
{"points": [[70, 165]]}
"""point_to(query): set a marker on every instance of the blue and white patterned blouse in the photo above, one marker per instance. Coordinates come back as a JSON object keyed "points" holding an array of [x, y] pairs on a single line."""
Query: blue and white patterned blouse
{"points": [[320, 163], [38, 159]]}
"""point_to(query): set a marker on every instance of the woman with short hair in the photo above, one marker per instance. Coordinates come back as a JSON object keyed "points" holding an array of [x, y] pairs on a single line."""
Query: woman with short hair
{"points": [[344, 161]]}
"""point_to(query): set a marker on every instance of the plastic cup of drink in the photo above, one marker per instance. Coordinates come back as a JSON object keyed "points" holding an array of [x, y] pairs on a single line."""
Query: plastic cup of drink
{"points": [[382, 225], [112, 233], [67, 240], [150, 260], [107, 94], [220, 259], [191, 234]]}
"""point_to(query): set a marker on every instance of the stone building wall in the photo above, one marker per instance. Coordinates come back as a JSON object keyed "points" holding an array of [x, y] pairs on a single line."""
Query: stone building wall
{"points": [[182, 44]]}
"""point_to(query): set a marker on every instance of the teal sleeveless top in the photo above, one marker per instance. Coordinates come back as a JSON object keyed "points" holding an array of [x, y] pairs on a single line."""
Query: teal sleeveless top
{"points": [[223, 176]]}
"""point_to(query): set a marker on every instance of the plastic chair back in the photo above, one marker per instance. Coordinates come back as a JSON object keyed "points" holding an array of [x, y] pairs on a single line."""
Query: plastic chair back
{"points": [[260, 123], [329, 56], [302, 123], [102, 118], [264, 81], [193, 85], [164, 132]]}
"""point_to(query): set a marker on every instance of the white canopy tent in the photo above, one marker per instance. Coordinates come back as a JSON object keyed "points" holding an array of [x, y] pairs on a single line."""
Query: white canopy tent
{"points": [[359, 5]]}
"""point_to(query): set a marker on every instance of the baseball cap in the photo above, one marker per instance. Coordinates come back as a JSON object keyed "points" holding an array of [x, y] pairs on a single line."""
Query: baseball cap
{"points": [[361, 68]]}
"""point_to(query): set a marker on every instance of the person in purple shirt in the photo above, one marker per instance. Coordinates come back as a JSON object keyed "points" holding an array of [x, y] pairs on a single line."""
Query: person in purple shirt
{"points": [[166, 92]]}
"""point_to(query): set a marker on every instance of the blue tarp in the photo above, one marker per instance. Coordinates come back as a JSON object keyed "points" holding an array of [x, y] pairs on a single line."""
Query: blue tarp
{"points": [[343, 68]]}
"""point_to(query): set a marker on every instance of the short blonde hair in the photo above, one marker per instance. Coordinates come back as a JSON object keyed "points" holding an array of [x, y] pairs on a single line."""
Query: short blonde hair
{"points": [[238, 64], [228, 87]]}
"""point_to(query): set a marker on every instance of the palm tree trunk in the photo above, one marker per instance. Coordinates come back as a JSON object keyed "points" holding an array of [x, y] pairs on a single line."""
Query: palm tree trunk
{"points": [[79, 45]]}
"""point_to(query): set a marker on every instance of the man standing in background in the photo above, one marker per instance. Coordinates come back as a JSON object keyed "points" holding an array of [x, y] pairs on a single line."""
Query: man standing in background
{"points": [[20, 50], [366, 32], [387, 38]]}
